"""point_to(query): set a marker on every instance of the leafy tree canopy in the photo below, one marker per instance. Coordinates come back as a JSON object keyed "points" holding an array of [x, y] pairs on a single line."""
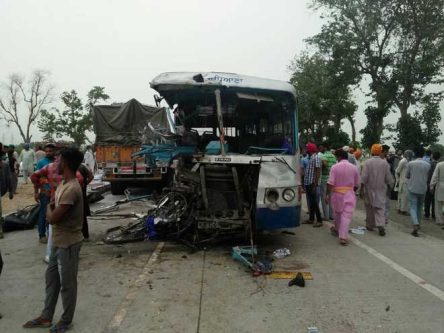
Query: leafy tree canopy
{"points": [[324, 96], [397, 44]]}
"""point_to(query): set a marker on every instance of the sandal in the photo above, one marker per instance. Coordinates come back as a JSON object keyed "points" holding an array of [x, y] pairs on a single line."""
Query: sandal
{"points": [[381, 231], [60, 327], [343, 242], [308, 222], [334, 232], [38, 322], [317, 225]]}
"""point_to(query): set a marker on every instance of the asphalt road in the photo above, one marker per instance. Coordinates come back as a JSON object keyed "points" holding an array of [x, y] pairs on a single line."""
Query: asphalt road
{"points": [[376, 284]]}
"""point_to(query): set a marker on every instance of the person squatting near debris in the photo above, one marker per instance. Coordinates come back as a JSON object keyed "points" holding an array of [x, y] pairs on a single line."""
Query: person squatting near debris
{"points": [[437, 187], [429, 202], [312, 179], [344, 180], [403, 192], [5, 185], [66, 217], [27, 158], [375, 180], [45, 181], [417, 174], [328, 160]]}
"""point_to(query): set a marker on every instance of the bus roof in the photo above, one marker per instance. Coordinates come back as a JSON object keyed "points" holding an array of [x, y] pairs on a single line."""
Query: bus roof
{"points": [[171, 80]]}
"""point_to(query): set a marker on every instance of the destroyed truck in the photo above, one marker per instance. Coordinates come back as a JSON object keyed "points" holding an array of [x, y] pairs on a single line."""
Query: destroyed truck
{"points": [[121, 130], [243, 161]]}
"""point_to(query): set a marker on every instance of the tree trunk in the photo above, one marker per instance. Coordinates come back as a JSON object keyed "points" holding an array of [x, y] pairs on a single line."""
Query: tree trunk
{"points": [[352, 124]]}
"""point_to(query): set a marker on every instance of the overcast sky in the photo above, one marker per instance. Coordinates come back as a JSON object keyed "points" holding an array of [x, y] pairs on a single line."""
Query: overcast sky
{"points": [[122, 45]]}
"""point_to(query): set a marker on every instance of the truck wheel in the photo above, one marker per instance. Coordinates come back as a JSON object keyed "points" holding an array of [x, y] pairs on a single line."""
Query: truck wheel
{"points": [[117, 188]]}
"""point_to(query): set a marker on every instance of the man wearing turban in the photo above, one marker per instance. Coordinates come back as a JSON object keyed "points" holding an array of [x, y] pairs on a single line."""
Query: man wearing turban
{"points": [[312, 181], [376, 178]]}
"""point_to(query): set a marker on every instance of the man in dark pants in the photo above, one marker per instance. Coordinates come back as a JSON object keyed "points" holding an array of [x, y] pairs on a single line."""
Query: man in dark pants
{"points": [[311, 183], [66, 217], [429, 201]]}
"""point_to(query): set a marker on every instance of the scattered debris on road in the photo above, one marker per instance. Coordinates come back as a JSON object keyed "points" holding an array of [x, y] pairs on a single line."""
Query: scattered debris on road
{"points": [[281, 253], [297, 281], [358, 230]]}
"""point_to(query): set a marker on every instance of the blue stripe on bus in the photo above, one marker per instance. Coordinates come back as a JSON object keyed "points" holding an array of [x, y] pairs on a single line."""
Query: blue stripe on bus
{"points": [[284, 217]]}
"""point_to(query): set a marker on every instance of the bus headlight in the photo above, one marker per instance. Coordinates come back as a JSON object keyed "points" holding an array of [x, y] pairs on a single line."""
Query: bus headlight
{"points": [[288, 194], [272, 195]]}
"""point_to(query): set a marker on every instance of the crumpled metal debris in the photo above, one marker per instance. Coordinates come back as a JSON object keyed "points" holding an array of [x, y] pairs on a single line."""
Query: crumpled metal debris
{"points": [[281, 253]]}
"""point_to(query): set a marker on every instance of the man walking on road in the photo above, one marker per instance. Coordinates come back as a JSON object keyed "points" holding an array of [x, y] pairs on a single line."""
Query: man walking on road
{"points": [[312, 180], [90, 161], [328, 160], [437, 185], [417, 175], [342, 184], [375, 180], [429, 201], [66, 216], [27, 159], [403, 192]]}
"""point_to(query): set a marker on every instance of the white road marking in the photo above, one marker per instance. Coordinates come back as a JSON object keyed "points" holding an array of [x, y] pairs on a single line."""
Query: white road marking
{"points": [[122, 310], [405, 272]]}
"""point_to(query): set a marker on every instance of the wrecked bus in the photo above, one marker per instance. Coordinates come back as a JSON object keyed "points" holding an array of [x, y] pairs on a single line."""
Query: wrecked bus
{"points": [[241, 136]]}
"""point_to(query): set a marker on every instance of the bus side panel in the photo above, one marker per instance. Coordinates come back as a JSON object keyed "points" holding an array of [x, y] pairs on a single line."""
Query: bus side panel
{"points": [[284, 217]]}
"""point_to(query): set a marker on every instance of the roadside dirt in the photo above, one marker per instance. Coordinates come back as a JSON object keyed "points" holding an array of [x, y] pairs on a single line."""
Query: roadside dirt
{"points": [[23, 198]]}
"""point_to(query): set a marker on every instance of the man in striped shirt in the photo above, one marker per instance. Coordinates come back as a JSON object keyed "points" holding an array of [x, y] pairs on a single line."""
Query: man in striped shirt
{"points": [[312, 181]]}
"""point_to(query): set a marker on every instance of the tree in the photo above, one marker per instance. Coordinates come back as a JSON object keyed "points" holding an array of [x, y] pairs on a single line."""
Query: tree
{"points": [[75, 120], [23, 102], [397, 44], [324, 97]]}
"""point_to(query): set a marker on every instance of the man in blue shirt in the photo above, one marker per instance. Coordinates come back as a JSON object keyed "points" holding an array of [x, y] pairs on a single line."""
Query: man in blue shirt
{"points": [[49, 158]]}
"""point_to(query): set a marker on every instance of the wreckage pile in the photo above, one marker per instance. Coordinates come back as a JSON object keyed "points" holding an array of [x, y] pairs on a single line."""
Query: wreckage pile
{"points": [[191, 211]]}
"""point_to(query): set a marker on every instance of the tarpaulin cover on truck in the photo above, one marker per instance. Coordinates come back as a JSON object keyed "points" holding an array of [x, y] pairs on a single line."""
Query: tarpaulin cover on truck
{"points": [[124, 123]]}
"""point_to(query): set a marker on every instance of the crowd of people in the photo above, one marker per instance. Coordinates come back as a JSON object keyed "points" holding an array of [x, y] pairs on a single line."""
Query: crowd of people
{"points": [[59, 179], [333, 179]]}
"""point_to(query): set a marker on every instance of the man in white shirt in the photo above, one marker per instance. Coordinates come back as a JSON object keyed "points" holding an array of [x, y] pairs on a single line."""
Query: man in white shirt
{"points": [[90, 161]]}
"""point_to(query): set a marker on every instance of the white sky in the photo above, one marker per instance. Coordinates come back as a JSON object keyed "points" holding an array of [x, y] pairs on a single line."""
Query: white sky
{"points": [[122, 45]]}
